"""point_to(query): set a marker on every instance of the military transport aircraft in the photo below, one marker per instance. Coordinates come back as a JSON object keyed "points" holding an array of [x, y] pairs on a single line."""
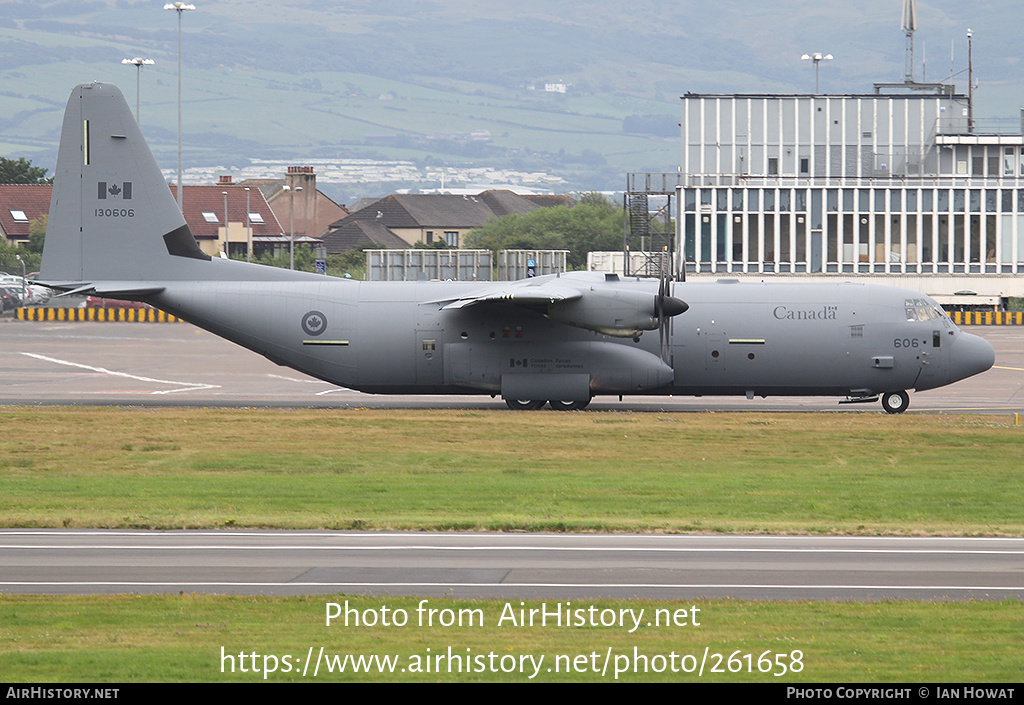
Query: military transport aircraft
{"points": [[116, 231]]}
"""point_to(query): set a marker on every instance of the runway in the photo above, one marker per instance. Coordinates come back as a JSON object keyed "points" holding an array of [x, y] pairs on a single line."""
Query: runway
{"points": [[180, 365], [520, 566]]}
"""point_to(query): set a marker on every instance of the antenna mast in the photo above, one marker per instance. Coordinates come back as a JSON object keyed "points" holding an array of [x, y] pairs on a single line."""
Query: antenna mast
{"points": [[908, 24]]}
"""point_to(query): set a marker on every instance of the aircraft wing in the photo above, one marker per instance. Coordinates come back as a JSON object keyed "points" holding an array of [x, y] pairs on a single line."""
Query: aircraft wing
{"points": [[606, 305], [541, 293]]}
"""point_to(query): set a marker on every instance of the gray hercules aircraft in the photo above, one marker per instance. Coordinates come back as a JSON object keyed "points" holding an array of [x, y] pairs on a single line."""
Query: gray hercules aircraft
{"points": [[116, 231]]}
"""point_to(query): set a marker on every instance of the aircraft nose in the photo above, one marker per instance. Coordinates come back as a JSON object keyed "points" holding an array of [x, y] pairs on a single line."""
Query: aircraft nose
{"points": [[970, 355]]}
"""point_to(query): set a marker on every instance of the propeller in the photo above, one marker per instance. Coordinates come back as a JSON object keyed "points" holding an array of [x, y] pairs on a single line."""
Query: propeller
{"points": [[666, 307]]}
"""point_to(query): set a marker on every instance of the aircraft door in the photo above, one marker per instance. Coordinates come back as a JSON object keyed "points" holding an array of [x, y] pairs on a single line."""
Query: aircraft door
{"points": [[934, 359]]}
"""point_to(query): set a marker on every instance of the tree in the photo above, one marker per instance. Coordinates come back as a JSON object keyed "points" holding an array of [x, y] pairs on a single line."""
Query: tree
{"points": [[37, 234], [352, 263], [21, 171], [435, 245], [594, 198], [595, 224], [9, 255]]}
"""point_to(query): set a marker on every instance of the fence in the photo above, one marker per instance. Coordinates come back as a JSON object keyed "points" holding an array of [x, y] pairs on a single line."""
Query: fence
{"points": [[414, 265], [127, 315]]}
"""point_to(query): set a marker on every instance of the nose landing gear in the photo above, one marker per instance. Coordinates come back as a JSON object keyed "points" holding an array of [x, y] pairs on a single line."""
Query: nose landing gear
{"points": [[895, 402]]}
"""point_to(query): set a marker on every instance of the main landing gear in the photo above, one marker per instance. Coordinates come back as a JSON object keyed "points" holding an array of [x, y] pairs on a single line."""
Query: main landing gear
{"points": [[525, 404], [895, 402], [568, 405], [556, 404]]}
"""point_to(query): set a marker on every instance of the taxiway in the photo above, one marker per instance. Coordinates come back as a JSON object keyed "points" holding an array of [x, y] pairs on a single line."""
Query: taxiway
{"points": [[179, 365]]}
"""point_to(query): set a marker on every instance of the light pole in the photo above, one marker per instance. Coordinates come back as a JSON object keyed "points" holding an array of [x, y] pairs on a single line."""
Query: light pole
{"points": [[305, 214], [970, 81], [227, 235], [248, 227], [24, 281], [291, 223], [179, 7], [138, 63], [817, 58]]}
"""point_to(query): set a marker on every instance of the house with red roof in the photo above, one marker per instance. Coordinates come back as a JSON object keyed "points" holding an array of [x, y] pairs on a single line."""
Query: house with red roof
{"points": [[300, 206], [226, 217], [222, 218], [20, 204]]}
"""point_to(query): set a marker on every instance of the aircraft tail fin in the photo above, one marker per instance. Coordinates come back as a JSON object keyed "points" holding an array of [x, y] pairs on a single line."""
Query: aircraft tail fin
{"points": [[112, 216]]}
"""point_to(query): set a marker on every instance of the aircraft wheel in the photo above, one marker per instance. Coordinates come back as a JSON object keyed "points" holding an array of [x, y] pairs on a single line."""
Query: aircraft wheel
{"points": [[559, 405], [895, 402], [524, 404]]}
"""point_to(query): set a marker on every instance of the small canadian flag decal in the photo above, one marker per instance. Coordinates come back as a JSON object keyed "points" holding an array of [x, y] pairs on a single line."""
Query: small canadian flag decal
{"points": [[106, 190]]}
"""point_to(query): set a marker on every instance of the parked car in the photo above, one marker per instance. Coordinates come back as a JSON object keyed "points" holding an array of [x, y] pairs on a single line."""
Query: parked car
{"points": [[97, 302], [38, 295], [32, 294], [10, 298]]}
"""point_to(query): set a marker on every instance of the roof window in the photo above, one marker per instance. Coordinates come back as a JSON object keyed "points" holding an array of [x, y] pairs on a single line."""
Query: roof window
{"points": [[19, 216], [210, 217]]}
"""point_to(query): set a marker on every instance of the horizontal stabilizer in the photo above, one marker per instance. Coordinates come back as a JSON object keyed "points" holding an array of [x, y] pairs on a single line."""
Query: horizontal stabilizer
{"points": [[113, 290]]}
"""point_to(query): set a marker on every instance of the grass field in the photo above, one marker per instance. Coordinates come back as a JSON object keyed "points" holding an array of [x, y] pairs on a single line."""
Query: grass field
{"points": [[172, 638], [543, 471], [845, 473]]}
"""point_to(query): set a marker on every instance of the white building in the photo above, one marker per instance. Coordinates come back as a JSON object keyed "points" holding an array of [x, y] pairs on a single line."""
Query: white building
{"points": [[898, 185]]}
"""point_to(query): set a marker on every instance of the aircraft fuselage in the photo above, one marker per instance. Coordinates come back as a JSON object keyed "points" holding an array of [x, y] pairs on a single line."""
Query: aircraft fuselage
{"points": [[752, 339]]}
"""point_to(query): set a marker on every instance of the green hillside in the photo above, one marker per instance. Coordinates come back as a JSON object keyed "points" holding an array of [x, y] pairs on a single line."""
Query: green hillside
{"points": [[412, 79]]}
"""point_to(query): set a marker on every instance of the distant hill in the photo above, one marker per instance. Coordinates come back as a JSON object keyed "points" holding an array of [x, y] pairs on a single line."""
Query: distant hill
{"points": [[414, 79]]}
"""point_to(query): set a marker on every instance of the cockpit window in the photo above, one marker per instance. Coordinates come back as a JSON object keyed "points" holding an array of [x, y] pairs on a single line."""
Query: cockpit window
{"points": [[923, 310]]}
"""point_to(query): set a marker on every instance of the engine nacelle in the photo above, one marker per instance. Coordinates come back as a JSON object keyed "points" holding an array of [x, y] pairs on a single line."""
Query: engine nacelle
{"points": [[622, 313]]}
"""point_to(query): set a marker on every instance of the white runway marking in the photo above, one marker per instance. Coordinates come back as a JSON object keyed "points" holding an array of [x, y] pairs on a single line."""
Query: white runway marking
{"points": [[296, 379], [310, 381], [323, 534], [545, 549], [183, 386], [628, 586]]}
